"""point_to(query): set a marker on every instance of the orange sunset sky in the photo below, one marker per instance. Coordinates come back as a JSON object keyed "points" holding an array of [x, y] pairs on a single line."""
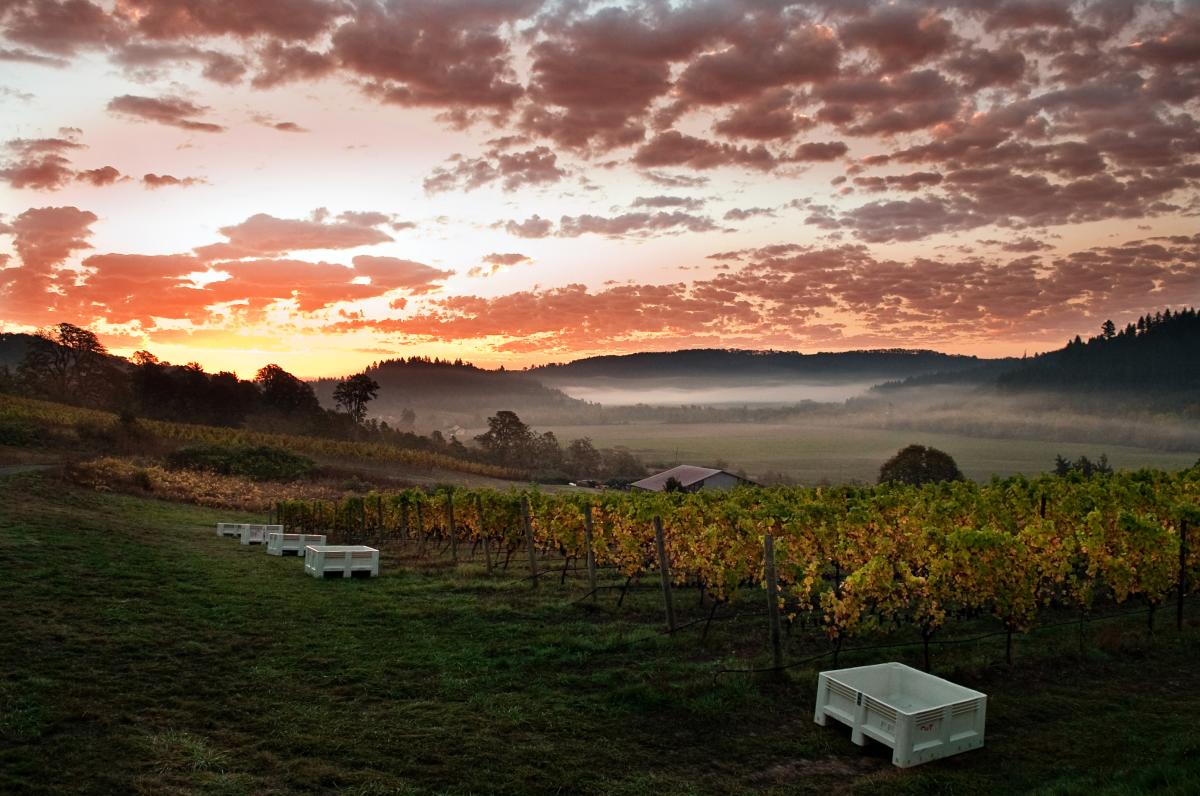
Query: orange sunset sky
{"points": [[322, 184]]}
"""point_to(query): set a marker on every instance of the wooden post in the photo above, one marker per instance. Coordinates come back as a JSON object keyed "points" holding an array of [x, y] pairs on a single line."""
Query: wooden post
{"points": [[450, 525], [379, 510], [664, 568], [1182, 587], [591, 555], [528, 526], [420, 532], [483, 537], [773, 600]]}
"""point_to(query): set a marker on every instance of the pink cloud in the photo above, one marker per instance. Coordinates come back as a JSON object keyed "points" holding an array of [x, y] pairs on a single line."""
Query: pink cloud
{"points": [[263, 235], [172, 111]]}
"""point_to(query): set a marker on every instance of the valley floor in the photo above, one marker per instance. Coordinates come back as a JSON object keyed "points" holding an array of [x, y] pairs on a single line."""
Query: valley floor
{"points": [[813, 454], [139, 653]]}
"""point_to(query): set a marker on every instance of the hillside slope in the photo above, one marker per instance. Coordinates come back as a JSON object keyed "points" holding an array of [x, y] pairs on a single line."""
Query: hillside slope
{"points": [[443, 393]]}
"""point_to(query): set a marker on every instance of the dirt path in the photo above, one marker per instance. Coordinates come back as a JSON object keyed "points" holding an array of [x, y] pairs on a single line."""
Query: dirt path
{"points": [[17, 469]]}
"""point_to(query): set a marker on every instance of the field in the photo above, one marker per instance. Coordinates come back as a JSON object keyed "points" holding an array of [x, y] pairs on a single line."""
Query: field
{"points": [[140, 653], [837, 454]]}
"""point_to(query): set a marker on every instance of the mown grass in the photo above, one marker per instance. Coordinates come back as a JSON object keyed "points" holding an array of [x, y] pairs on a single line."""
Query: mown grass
{"points": [[141, 653]]}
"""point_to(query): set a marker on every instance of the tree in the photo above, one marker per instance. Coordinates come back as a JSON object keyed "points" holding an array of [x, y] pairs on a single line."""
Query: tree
{"points": [[285, 393], [507, 439], [1083, 465], [1108, 330], [918, 465], [544, 452], [354, 393], [583, 460], [66, 363]]}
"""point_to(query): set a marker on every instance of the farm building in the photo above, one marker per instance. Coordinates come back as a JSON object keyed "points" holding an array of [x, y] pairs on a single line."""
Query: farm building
{"points": [[691, 478]]}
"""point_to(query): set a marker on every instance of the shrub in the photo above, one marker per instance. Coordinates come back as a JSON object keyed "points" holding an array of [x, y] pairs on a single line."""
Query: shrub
{"points": [[258, 463], [17, 432]]}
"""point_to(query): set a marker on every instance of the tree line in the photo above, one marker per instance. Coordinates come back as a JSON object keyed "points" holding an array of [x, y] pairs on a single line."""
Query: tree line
{"points": [[69, 364]]}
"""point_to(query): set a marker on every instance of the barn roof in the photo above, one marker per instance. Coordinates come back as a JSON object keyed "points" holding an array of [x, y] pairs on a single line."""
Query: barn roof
{"points": [[685, 474]]}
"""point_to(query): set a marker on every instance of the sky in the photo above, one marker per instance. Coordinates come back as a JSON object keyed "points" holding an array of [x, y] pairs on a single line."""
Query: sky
{"points": [[321, 184]]}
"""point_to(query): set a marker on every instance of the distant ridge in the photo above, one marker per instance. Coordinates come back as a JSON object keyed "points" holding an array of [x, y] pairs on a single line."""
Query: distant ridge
{"points": [[733, 364]]}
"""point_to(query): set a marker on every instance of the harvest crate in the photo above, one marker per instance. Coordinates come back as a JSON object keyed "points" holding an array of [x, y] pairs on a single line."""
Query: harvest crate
{"points": [[257, 534], [229, 529], [292, 544], [921, 717], [339, 559]]}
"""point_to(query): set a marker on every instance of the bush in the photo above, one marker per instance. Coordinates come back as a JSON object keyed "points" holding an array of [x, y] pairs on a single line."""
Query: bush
{"points": [[17, 432], [259, 463]]}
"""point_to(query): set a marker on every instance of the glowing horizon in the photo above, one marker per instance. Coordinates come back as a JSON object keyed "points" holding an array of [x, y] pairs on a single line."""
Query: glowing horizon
{"points": [[511, 182]]}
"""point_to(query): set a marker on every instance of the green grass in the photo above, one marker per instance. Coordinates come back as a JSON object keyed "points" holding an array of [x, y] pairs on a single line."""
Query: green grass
{"points": [[813, 453], [139, 653]]}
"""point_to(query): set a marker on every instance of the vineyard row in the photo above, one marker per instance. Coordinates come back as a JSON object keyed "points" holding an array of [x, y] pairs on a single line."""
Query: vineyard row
{"points": [[849, 560]]}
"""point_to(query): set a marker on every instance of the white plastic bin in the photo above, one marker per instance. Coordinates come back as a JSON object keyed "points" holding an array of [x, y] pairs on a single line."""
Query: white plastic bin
{"points": [[292, 544], [340, 559], [229, 529], [257, 534], [921, 717]]}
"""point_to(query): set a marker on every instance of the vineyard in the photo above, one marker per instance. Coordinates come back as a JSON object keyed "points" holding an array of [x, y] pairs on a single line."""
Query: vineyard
{"points": [[845, 562], [14, 409]]}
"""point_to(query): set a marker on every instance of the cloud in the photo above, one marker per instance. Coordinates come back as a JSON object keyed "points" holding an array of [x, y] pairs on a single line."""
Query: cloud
{"points": [[58, 27], [25, 56], [633, 224], [393, 273], [674, 148], [263, 235], [788, 53], [495, 263], [769, 116], [43, 238], [106, 175], [687, 203], [783, 295], [279, 64], [513, 170], [145, 61], [440, 55], [533, 227], [674, 180], [899, 37], [39, 163], [819, 151], [289, 20], [164, 180], [741, 214], [172, 111]]}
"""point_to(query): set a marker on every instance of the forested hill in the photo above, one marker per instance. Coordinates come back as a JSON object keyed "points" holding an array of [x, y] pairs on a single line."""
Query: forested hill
{"points": [[442, 393], [1153, 362], [738, 365], [1159, 353]]}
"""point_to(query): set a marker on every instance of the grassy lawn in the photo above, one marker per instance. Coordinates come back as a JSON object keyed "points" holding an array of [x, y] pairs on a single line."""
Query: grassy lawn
{"points": [[812, 453], [141, 653]]}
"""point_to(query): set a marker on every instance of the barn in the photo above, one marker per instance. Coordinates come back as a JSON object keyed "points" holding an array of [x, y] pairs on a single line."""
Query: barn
{"points": [[692, 478]]}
